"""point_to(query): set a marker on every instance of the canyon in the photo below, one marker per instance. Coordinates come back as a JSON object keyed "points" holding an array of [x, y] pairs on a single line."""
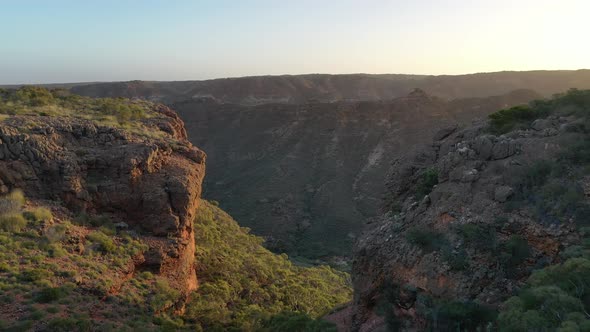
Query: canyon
{"points": [[440, 208], [300, 159]]}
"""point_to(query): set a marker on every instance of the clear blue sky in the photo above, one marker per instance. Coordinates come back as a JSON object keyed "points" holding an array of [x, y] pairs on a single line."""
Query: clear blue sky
{"points": [[106, 40]]}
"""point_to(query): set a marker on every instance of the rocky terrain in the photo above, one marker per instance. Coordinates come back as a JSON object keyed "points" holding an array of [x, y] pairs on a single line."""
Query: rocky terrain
{"points": [[149, 182], [471, 215], [143, 181], [102, 228]]}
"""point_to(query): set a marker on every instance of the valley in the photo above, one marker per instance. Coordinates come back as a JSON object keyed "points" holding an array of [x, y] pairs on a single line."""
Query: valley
{"points": [[294, 166]]}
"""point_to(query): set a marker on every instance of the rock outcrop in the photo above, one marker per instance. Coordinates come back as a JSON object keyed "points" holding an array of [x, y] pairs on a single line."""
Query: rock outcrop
{"points": [[447, 244], [148, 179]]}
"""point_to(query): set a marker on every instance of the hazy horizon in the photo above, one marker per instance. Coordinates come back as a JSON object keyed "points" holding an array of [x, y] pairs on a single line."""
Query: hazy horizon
{"points": [[67, 41], [301, 74]]}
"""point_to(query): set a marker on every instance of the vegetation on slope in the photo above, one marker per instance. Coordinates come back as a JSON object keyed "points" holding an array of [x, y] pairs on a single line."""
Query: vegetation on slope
{"points": [[243, 286], [59, 276], [37, 101], [555, 297], [573, 102], [552, 192], [73, 276]]}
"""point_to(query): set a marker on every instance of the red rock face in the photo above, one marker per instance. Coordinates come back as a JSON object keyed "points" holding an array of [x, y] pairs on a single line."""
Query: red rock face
{"points": [[150, 180], [476, 172]]}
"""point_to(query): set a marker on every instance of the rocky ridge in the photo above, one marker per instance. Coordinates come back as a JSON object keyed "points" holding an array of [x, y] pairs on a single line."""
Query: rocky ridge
{"points": [[298, 89], [468, 237]]}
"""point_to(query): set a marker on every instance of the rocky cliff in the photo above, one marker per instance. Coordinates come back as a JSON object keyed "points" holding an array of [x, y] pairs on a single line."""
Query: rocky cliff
{"points": [[468, 217], [143, 176], [102, 229]]}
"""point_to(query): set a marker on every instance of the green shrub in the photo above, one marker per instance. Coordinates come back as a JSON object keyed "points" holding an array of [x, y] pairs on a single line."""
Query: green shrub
{"points": [[243, 284], [115, 112], [537, 174], [509, 119], [538, 309], [56, 250], [428, 240], [552, 195], [12, 203], [50, 294], [478, 236], [5, 267], [457, 260], [573, 102], [55, 233], [24, 325], [514, 252], [583, 128], [108, 230], [461, 316], [427, 181], [168, 324], [33, 96], [34, 275], [13, 222], [296, 322], [105, 243], [121, 109], [501, 220], [93, 220], [578, 153], [63, 324], [38, 214], [164, 295], [53, 310]]}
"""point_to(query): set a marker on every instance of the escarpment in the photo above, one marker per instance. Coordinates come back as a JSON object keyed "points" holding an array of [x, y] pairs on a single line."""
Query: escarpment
{"points": [[142, 176], [470, 216]]}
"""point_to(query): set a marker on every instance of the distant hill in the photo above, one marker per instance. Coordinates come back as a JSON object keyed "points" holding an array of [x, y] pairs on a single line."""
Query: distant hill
{"points": [[329, 88]]}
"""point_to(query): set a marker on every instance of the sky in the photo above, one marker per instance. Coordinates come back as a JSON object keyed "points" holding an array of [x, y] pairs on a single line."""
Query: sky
{"points": [[57, 41]]}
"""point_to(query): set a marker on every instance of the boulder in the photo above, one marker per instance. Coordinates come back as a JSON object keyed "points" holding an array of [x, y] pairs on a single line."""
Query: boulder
{"points": [[504, 149], [483, 146], [541, 124], [502, 193]]}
